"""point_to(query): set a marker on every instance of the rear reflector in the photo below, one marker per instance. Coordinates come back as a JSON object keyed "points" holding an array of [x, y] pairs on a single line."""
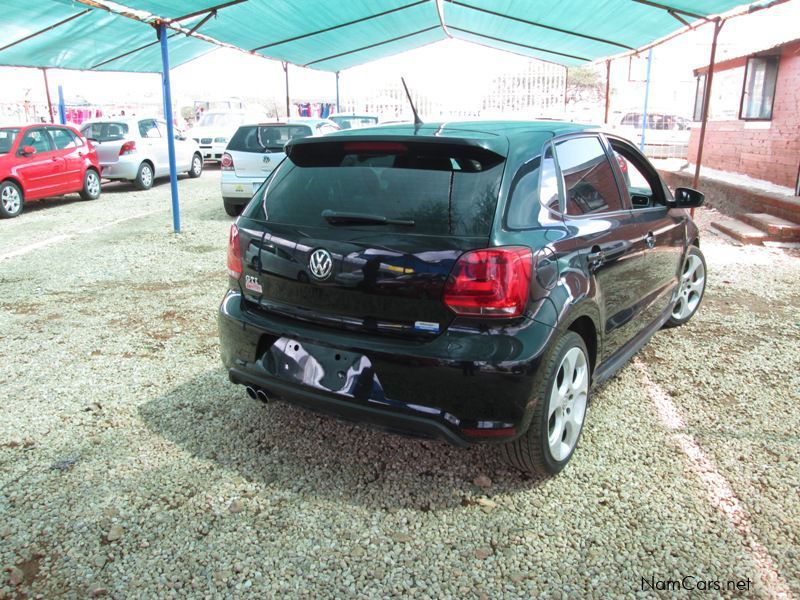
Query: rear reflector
{"points": [[234, 254], [227, 162], [127, 148], [494, 282], [375, 147]]}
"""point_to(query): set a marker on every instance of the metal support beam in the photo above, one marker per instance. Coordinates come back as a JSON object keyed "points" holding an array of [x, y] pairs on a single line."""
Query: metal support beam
{"points": [[167, 94], [608, 90], [62, 109], [286, 75], [646, 99], [337, 92], [46, 29], [718, 23], [49, 101]]}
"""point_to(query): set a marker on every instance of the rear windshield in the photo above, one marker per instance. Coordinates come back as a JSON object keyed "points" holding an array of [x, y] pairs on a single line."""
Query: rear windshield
{"points": [[266, 138], [105, 132], [354, 122], [7, 137], [221, 119], [443, 189]]}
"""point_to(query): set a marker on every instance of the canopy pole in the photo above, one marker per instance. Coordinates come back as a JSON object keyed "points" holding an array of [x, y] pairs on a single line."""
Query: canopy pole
{"points": [[49, 101], [337, 92], [167, 94], [646, 98], [286, 75], [62, 110], [608, 90], [718, 23]]}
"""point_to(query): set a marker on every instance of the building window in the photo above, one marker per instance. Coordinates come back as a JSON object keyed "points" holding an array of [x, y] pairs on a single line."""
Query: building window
{"points": [[759, 87], [699, 96]]}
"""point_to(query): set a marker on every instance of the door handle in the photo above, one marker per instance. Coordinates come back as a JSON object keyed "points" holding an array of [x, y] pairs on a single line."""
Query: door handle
{"points": [[54, 159], [650, 239], [596, 257]]}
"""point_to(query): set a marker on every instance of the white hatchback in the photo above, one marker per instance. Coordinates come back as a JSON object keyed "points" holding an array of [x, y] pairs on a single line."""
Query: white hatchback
{"points": [[255, 150]]}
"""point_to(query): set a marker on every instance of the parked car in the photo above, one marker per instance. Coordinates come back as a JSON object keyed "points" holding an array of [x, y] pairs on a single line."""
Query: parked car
{"points": [[216, 128], [39, 161], [254, 151], [666, 135], [354, 121], [468, 281], [136, 149]]}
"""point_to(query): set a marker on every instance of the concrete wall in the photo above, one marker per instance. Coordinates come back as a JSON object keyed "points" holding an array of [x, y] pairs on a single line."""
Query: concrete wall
{"points": [[767, 150]]}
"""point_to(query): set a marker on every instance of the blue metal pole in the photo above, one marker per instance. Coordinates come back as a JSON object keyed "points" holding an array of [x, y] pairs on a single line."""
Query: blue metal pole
{"points": [[337, 92], [167, 93], [62, 110], [646, 98]]}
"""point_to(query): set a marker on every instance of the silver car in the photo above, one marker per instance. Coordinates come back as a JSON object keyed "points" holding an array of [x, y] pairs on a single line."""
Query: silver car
{"points": [[135, 149], [255, 150]]}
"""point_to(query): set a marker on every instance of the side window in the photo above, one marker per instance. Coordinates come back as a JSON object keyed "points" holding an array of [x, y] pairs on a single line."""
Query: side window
{"points": [[589, 183], [643, 184], [63, 138], [148, 129], [535, 185], [37, 138]]}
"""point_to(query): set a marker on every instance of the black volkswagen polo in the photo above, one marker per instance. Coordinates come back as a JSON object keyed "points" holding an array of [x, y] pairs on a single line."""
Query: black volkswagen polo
{"points": [[467, 281]]}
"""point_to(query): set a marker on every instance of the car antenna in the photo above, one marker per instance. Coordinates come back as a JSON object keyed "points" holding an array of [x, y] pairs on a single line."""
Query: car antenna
{"points": [[417, 120]]}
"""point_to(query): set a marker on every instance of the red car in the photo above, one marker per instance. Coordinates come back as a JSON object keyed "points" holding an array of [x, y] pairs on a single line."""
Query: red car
{"points": [[38, 161]]}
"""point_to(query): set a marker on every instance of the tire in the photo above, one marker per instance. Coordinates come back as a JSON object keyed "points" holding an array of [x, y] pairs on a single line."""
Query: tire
{"points": [[692, 288], [11, 200], [91, 185], [197, 166], [549, 443], [232, 209], [145, 176]]}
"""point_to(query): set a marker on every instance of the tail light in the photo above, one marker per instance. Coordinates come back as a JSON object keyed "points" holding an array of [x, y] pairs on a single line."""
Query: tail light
{"points": [[227, 162], [127, 148], [234, 254], [623, 164], [494, 282]]}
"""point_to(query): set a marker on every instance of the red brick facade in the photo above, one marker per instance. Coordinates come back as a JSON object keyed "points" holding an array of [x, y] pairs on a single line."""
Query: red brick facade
{"points": [[772, 154]]}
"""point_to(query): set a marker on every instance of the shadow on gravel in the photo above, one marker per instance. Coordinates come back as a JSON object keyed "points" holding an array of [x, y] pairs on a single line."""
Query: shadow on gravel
{"points": [[288, 448], [125, 187], [35, 206]]}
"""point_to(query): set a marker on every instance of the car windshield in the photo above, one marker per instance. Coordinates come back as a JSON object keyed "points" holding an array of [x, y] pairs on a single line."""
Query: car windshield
{"points": [[270, 138], [105, 132], [438, 189], [220, 119], [354, 122], [7, 137]]}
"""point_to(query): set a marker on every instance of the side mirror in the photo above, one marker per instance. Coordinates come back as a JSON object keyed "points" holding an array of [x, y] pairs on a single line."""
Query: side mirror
{"points": [[688, 198], [28, 150]]}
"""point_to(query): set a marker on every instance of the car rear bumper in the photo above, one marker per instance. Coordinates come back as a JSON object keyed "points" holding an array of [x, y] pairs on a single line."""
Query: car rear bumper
{"points": [[461, 386], [234, 186], [212, 152], [121, 169]]}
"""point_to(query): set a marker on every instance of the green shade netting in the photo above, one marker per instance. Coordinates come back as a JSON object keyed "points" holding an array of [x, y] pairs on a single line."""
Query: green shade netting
{"points": [[332, 36], [93, 39]]}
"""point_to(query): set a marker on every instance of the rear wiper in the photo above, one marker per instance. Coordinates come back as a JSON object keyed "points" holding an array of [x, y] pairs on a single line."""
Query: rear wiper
{"points": [[343, 218]]}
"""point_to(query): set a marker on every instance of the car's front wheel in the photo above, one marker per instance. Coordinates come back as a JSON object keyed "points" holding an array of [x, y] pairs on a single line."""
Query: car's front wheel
{"points": [[91, 185], [144, 178], [562, 395], [692, 288], [197, 166], [10, 200]]}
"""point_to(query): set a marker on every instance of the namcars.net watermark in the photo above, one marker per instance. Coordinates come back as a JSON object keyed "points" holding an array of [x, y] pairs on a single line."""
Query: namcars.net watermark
{"points": [[694, 583]]}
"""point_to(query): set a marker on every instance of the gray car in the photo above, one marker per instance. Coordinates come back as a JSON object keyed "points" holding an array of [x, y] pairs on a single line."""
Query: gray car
{"points": [[135, 149]]}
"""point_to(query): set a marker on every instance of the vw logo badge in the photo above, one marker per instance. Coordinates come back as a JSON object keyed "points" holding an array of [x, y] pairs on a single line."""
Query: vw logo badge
{"points": [[320, 263], [266, 159]]}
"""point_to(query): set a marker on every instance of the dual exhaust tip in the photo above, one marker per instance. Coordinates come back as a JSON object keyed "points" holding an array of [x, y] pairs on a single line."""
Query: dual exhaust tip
{"points": [[257, 394]]}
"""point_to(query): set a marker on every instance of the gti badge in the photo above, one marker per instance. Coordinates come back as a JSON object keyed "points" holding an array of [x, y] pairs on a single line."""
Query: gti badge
{"points": [[320, 264]]}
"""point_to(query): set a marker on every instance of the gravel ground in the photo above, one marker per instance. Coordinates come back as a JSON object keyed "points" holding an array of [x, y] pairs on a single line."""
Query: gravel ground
{"points": [[130, 467]]}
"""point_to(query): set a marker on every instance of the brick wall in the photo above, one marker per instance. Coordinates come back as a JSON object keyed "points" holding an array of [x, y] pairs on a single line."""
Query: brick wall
{"points": [[772, 154]]}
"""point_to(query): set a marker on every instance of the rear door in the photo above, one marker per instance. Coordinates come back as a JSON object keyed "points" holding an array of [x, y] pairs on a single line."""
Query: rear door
{"points": [[68, 147], [663, 230], [41, 172], [603, 234], [315, 246], [156, 145]]}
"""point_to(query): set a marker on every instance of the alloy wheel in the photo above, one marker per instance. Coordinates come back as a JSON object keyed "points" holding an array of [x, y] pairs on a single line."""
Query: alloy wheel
{"points": [[92, 184], [10, 199], [693, 281], [567, 405], [147, 176], [197, 165]]}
